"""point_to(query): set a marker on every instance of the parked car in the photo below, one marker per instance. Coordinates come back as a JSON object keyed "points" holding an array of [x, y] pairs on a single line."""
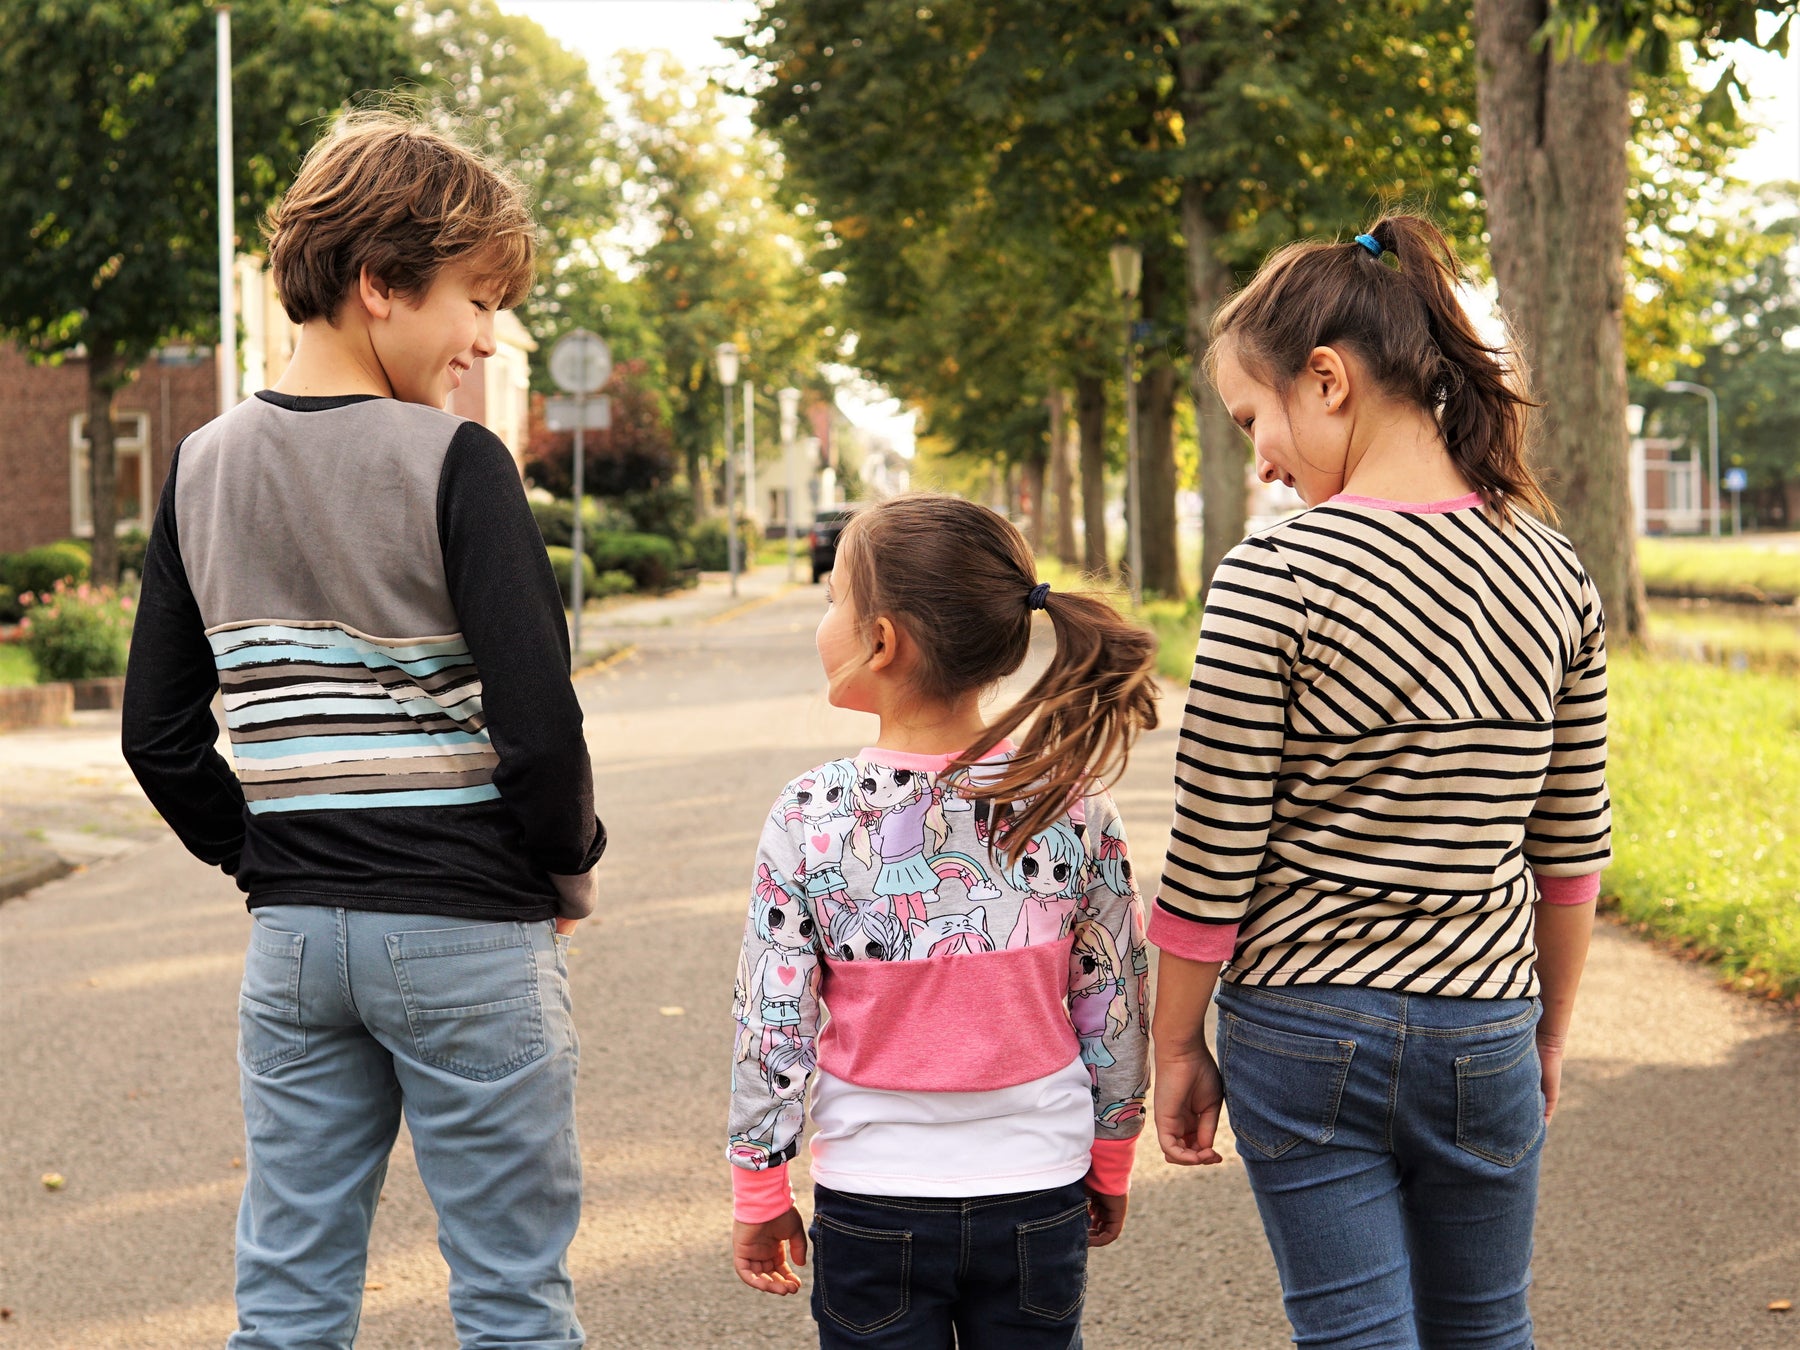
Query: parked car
{"points": [[823, 537]]}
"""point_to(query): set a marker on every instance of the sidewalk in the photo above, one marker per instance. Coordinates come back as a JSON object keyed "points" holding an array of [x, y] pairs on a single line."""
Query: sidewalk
{"points": [[711, 600]]}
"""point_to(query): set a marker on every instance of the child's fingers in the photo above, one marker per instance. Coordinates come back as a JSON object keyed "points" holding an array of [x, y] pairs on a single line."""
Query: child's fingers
{"points": [[797, 1247]]}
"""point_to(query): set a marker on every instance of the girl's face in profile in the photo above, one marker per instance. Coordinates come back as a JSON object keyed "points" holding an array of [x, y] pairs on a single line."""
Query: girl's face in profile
{"points": [[841, 649], [1299, 439]]}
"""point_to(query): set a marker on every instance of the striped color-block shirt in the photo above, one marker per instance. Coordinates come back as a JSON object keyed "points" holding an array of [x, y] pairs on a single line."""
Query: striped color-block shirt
{"points": [[1395, 738]]}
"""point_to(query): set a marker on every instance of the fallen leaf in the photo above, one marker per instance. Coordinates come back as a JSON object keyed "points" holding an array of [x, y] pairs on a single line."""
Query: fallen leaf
{"points": [[672, 1012], [53, 1181], [374, 1284], [237, 1162], [1782, 1305], [5, 1314]]}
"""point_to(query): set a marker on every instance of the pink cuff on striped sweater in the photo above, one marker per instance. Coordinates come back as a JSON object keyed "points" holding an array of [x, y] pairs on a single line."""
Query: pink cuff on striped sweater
{"points": [[757, 1197], [1191, 939], [1568, 890], [1109, 1165]]}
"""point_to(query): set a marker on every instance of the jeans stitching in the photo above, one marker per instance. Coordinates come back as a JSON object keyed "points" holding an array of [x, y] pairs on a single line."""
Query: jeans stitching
{"points": [[536, 1048], [1462, 1081], [901, 1235], [1023, 1231], [1334, 1098], [343, 960], [1254, 994]]}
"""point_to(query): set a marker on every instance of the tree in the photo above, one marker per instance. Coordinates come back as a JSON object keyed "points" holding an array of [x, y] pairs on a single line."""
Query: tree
{"points": [[635, 455], [107, 170], [1555, 81]]}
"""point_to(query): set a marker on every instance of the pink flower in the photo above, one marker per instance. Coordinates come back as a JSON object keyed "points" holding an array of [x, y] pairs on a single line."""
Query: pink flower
{"points": [[125, 603], [28, 598]]}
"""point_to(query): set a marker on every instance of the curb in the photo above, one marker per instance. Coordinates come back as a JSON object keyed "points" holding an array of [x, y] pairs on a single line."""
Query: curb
{"points": [[725, 616], [30, 877], [604, 662]]}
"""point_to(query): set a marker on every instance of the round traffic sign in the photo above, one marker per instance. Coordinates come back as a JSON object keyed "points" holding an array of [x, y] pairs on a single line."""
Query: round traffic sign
{"points": [[580, 362]]}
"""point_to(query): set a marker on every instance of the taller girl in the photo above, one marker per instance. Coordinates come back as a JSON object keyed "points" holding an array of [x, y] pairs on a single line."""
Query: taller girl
{"points": [[1391, 809]]}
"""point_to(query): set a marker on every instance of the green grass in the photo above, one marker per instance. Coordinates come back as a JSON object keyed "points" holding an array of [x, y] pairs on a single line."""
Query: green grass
{"points": [[1705, 776], [1753, 568], [16, 666], [1764, 637]]}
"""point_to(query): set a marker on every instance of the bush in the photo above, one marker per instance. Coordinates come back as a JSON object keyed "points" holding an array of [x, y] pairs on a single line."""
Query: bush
{"points": [[613, 583], [39, 569], [560, 558], [132, 546], [709, 545], [11, 611], [76, 631], [650, 560]]}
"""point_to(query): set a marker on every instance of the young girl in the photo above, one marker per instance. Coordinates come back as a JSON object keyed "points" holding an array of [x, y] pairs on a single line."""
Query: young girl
{"points": [[971, 1141], [1391, 808]]}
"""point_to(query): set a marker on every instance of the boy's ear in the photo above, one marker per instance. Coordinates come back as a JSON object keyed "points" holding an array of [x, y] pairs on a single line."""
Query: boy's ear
{"points": [[374, 294]]}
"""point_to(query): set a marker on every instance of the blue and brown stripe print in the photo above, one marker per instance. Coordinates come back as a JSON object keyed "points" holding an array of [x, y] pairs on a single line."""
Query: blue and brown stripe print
{"points": [[323, 717]]}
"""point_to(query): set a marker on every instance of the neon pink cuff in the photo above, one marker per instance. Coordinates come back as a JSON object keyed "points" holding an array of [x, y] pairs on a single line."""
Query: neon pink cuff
{"points": [[1568, 890], [1191, 939], [757, 1197], [1109, 1165]]}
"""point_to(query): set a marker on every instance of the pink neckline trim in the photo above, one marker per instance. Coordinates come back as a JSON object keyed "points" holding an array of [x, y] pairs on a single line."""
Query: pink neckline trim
{"points": [[900, 759], [1462, 503]]}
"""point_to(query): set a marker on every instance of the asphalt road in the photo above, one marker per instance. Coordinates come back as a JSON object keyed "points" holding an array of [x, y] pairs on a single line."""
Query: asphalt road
{"points": [[1671, 1193]]}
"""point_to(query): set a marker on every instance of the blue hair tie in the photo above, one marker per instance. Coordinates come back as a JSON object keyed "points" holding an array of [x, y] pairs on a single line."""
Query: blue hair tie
{"points": [[1368, 241], [1040, 595]]}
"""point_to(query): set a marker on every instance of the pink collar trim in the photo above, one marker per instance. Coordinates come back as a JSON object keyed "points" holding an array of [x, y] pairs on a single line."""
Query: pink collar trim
{"points": [[900, 759], [1411, 508]]}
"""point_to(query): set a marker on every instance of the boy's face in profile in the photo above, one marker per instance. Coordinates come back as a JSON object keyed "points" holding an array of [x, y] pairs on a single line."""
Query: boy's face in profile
{"points": [[427, 343]]}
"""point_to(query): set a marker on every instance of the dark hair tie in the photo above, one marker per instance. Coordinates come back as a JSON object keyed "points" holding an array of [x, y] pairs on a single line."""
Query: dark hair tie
{"points": [[1039, 597], [1369, 242]]}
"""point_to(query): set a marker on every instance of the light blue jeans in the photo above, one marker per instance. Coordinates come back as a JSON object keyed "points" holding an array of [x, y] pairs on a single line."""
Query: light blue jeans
{"points": [[347, 1019], [1392, 1142]]}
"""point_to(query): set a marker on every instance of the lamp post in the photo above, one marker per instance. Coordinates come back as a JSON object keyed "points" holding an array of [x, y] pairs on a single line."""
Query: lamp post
{"points": [[1127, 271], [789, 400], [1712, 436], [725, 365]]}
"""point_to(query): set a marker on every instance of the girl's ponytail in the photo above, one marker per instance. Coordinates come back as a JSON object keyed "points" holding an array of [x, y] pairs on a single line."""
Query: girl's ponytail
{"points": [[962, 582], [1408, 325]]}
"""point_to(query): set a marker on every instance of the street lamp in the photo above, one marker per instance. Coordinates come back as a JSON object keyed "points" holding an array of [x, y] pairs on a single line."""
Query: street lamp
{"points": [[1712, 436], [1127, 271], [725, 365], [789, 401]]}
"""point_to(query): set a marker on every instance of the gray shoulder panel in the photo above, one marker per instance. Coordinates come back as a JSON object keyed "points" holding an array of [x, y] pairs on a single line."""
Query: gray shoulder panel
{"points": [[322, 516]]}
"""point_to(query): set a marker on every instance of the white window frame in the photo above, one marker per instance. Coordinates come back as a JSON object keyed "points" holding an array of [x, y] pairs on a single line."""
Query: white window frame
{"points": [[81, 516]]}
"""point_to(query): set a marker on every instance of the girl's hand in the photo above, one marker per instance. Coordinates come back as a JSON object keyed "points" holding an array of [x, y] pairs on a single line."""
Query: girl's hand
{"points": [[760, 1252], [1550, 1056], [1189, 1093], [1106, 1216]]}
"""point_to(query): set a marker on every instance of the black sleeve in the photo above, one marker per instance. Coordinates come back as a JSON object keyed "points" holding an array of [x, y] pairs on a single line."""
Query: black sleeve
{"points": [[169, 731], [511, 612]]}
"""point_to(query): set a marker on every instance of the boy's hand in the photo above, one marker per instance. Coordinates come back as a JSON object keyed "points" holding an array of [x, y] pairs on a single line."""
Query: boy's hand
{"points": [[758, 1255], [566, 926], [1189, 1093], [1106, 1216]]}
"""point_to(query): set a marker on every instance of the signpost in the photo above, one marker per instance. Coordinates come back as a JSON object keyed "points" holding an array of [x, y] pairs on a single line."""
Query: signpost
{"points": [[1736, 480], [580, 363]]}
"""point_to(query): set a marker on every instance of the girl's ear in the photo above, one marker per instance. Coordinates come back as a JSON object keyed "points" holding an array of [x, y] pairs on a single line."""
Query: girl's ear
{"points": [[1327, 377], [883, 643]]}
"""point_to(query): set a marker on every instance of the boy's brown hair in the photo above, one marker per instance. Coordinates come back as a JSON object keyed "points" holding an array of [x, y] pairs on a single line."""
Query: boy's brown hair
{"points": [[386, 192]]}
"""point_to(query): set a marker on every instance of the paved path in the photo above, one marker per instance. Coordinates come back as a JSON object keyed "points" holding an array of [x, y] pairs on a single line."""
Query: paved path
{"points": [[1671, 1213]]}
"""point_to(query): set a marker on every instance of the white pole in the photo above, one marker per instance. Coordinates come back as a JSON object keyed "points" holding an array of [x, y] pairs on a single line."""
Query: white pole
{"points": [[227, 352], [750, 452], [731, 534], [1133, 493], [575, 544]]}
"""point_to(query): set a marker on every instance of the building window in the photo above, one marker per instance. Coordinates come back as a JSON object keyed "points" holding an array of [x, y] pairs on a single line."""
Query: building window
{"points": [[131, 452]]}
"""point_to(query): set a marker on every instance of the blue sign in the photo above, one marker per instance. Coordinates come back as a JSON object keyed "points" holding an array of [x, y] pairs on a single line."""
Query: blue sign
{"points": [[1736, 480]]}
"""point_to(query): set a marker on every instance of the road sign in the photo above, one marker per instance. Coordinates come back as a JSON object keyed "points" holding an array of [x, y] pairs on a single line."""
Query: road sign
{"points": [[580, 362], [590, 414], [1736, 480]]}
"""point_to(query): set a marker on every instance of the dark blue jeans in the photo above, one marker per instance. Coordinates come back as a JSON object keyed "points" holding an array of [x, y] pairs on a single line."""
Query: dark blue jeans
{"points": [[993, 1272], [1392, 1143]]}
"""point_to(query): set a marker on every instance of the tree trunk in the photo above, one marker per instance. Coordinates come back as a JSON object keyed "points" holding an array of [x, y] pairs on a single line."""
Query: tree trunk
{"points": [[1062, 477], [1090, 417], [1156, 455], [103, 464], [1157, 381], [1031, 489], [1553, 168], [1224, 453]]}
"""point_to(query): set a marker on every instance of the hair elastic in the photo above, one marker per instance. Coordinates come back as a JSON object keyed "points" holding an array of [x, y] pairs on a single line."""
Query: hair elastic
{"points": [[1040, 595], [1369, 242]]}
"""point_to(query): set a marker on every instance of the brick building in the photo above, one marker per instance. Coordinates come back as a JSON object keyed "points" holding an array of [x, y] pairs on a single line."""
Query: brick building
{"points": [[43, 416]]}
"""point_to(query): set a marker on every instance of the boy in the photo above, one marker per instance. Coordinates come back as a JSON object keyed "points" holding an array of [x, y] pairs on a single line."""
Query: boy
{"points": [[412, 817]]}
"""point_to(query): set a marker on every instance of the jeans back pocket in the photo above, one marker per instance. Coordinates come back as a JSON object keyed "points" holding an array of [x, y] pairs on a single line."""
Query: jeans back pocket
{"points": [[1500, 1101], [1281, 1088], [1053, 1265], [270, 1032], [471, 997], [863, 1276]]}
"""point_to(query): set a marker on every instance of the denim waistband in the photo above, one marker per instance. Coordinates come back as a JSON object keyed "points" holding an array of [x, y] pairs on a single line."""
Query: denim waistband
{"points": [[940, 1204], [1415, 1012]]}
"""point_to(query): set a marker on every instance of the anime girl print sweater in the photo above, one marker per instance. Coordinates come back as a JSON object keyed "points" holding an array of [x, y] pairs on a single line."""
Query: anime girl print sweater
{"points": [[363, 580], [988, 1018]]}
